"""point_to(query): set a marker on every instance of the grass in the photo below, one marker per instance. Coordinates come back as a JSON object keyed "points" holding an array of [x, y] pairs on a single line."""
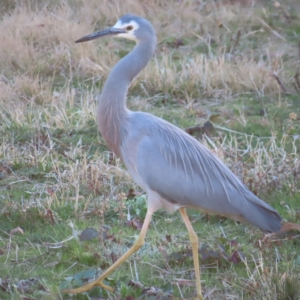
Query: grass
{"points": [[231, 62]]}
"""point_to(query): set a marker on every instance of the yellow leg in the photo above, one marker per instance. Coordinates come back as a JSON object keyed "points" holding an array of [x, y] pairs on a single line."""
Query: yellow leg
{"points": [[194, 243], [136, 246]]}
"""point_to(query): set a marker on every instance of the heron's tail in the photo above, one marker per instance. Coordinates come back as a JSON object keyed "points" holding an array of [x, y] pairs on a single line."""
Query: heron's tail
{"points": [[262, 215]]}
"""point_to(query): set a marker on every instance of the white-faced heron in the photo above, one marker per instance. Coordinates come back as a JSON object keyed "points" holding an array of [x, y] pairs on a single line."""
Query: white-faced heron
{"points": [[174, 169]]}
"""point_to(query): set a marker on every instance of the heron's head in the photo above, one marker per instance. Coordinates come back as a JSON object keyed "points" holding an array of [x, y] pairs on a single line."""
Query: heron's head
{"points": [[129, 27]]}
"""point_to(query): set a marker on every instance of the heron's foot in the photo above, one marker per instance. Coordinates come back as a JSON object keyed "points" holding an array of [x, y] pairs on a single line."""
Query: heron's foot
{"points": [[87, 287]]}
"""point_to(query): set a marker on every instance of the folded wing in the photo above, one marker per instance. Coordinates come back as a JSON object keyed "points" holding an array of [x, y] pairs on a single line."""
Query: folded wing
{"points": [[184, 172]]}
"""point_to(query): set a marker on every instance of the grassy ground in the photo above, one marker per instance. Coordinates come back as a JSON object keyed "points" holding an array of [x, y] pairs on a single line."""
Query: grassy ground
{"points": [[233, 63]]}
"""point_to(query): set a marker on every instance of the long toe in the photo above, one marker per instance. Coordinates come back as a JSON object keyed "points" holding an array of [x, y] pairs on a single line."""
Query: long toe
{"points": [[87, 287], [104, 286]]}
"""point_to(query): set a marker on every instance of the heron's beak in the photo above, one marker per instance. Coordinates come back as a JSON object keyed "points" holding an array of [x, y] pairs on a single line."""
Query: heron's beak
{"points": [[95, 35]]}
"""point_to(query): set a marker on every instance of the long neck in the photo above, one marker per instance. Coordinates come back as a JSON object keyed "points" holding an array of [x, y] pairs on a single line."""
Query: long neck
{"points": [[112, 111]]}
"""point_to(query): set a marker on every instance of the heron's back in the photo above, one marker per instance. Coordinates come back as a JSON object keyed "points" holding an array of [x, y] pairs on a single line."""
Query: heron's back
{"points": [[184, 172]]}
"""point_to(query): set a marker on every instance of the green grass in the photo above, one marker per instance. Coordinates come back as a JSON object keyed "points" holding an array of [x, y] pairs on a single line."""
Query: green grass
{"points": [[31, 254], [58, 178]]}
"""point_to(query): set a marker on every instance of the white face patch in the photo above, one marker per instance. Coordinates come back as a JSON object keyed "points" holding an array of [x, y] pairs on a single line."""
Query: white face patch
{"points": [[130, 33]]}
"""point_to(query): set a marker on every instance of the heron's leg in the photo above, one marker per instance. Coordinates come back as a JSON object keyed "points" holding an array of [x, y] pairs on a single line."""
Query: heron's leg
{"points": [[194, 243], [136, 246]]}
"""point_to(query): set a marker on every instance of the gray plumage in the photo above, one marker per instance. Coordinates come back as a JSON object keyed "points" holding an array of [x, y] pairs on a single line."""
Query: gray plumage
{"points": [[185, 173], [173, 168], [165, 159]]}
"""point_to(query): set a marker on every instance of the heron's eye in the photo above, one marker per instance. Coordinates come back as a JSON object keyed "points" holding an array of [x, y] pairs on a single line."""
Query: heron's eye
{"points": [[129, 27]]}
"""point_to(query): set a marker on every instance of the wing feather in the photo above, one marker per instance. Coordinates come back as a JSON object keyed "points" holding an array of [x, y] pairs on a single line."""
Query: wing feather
{"points": [[183, 171]]}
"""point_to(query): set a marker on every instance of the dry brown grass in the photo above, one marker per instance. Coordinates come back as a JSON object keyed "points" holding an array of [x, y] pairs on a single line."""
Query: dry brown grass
{"points": [[38, 42], [209, 54], [38, 54]]}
